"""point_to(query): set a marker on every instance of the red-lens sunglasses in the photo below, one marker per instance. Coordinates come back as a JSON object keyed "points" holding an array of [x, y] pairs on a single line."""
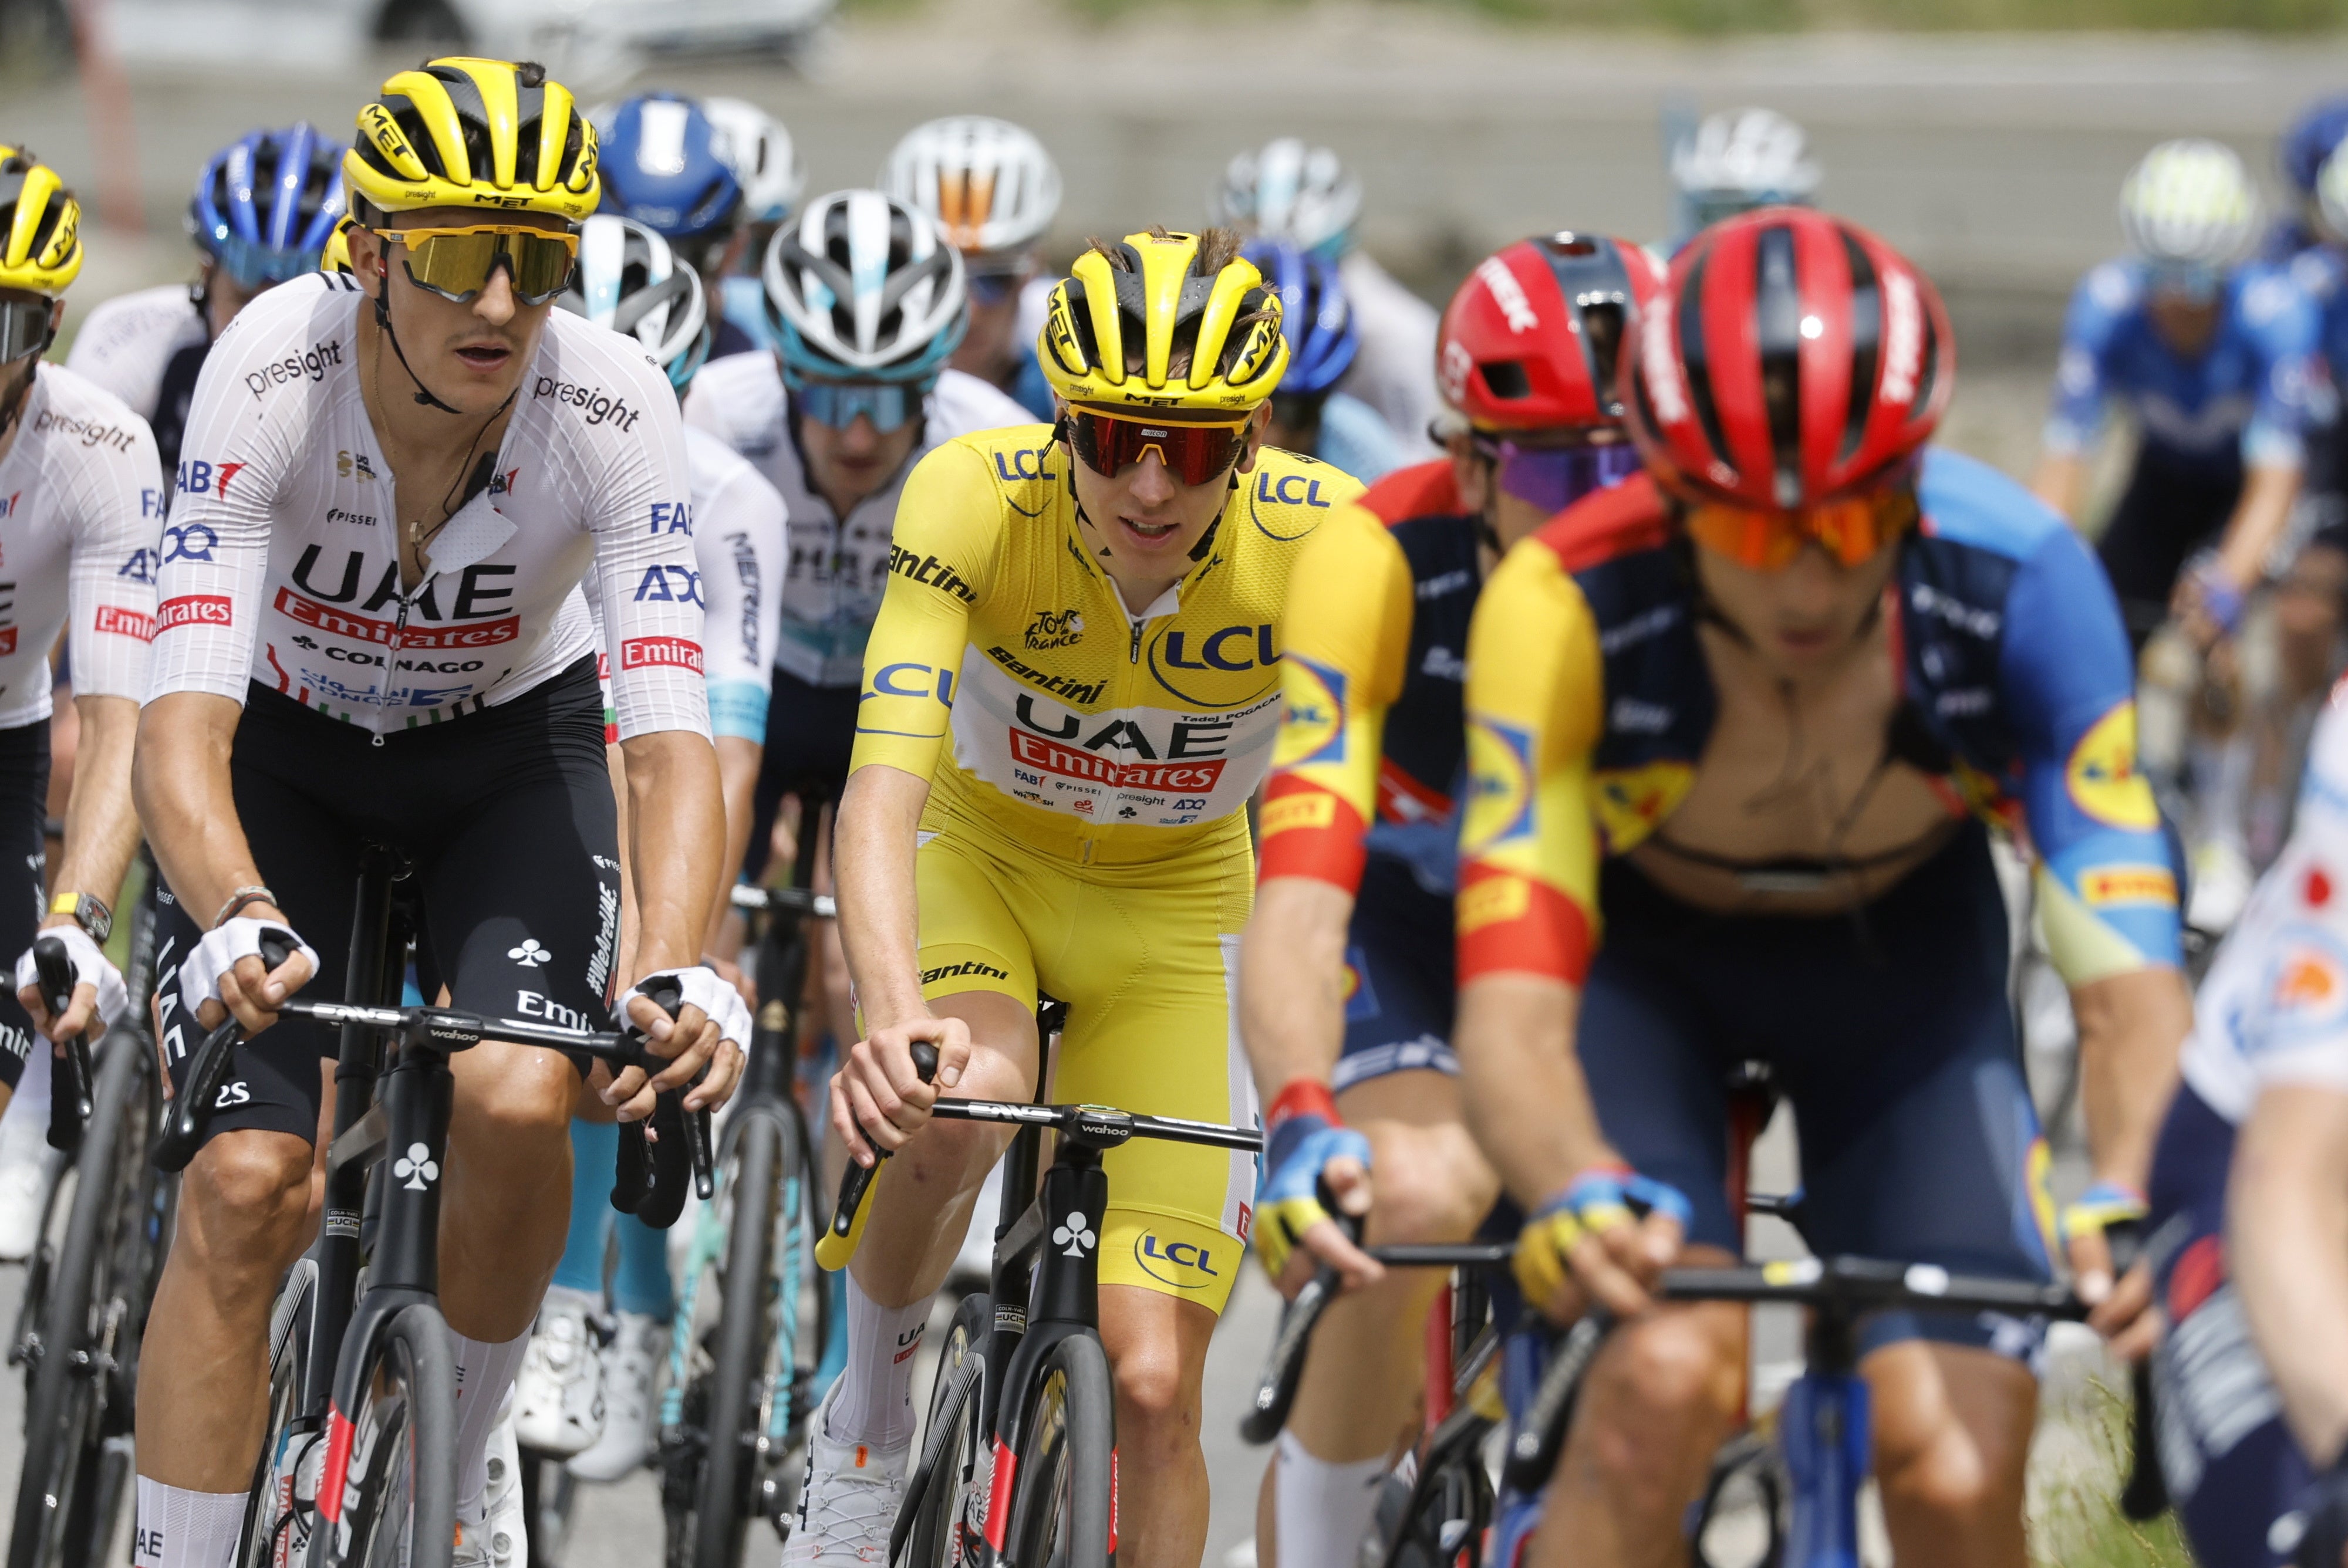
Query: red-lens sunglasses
{"points": [[1195, 454]]}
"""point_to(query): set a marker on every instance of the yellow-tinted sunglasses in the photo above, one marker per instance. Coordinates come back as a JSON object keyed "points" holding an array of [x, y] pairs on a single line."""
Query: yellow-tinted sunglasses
{"points": [[456, 264]]}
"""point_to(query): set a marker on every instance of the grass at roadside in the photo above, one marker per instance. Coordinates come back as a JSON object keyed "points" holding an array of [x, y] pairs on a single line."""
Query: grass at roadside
{"points": [[1717, 16], [2075, 1517]]}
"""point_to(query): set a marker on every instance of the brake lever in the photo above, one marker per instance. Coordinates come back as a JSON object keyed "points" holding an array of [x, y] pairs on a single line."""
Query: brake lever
{"points": [[189, 1113], [70, 1101], [838, 1243]]}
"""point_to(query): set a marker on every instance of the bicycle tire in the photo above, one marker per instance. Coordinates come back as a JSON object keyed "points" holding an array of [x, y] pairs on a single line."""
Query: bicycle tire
{"points": [[278, 1521], [1064, 1491], [61, 1519], [952, 1444], [399, 1491], [749, 1323]]}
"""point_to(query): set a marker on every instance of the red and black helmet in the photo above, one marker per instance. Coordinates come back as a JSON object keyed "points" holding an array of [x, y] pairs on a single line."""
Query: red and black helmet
{"points": [[1791, 356], [1530, 338]]}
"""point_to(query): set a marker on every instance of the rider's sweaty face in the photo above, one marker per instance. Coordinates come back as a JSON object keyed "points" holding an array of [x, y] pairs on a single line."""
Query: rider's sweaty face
{"points": [[1804, 619], [1145, 521], [847, 466], [470, 356]]}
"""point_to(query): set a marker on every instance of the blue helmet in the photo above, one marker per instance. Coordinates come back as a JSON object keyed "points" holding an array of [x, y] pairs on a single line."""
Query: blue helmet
{"points": [[265, 205], [660, 167], [1315, 315], [2309, 140]]}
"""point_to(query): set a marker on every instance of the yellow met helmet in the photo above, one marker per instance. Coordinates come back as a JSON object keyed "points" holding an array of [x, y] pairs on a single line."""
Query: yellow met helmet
{"points": [[40, 226], [336, 255], [463, 132], [1149, 295]]}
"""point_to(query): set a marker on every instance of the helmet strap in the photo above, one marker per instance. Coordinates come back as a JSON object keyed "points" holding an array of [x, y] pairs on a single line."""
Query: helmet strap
{"points": [[423, 393]]}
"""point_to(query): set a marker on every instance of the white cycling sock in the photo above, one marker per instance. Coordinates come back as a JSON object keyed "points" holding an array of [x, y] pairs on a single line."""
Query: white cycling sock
{"points": [[873, 1402], [1322, 1509], [29, 1108], [183, 1529], [485, 1370]]}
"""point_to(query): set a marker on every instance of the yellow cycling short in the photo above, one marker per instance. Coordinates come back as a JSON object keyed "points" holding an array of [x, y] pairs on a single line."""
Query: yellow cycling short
{"points": [[1146, 956]]}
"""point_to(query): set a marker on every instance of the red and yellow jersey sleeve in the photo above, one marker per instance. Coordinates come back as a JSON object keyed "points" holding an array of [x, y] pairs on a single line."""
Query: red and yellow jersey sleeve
{"points": [[1528, 847], [1347, 627]]}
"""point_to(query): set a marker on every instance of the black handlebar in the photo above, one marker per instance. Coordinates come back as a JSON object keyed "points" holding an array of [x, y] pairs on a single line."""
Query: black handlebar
{"points": [[652, 1172], [72, 1082]]}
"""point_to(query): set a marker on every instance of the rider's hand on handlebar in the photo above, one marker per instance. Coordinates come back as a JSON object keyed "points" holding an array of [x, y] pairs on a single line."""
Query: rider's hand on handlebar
{"points": [[2125, 1313], [1312, 1163], [877, 1097], [702, 1034], [98, 994], [225, 973], [1588, 1242]]}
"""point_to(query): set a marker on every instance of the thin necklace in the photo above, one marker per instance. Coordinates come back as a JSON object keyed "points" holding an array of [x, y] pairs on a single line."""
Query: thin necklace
{"points": [[418, 536]]}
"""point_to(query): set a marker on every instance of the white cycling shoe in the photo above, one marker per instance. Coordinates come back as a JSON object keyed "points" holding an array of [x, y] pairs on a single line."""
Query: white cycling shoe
{"points": [[558, 1397], [499, 1536], [25, 1185], [632, 1365], [849, 1500]]}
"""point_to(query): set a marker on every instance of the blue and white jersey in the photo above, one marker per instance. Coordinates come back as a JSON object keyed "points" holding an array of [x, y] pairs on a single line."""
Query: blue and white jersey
{"points": [[2246, 399], [2274, 1007]]}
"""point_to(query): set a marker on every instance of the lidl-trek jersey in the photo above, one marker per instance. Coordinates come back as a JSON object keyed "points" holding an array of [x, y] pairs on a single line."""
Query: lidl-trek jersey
{"points": [[1078, 728], [1083, 834], [280, 564], [2017, 698]]}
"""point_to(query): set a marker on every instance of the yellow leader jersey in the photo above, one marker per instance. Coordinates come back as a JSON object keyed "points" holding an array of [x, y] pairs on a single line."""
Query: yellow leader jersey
{"points": [[1079, 729]]}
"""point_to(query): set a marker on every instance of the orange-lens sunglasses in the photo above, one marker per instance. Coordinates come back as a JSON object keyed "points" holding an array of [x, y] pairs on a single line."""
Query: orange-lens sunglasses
{"points": [[1850, 528]]}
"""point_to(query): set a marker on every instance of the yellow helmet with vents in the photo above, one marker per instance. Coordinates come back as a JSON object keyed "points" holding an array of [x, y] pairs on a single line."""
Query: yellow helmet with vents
{"points": [[40, 226], [464, 132], [336, 255], [1142, 325]]}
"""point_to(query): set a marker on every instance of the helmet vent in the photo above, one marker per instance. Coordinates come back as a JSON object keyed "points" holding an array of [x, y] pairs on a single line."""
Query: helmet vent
{"points": [[1698, 359], [1865, 344], [1507, 378], [1778, 328]]}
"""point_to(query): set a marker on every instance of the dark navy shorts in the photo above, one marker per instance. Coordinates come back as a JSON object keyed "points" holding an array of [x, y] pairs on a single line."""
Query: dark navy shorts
{"points": [[1399, 987], [1888, 1030], [2232, 1467]]}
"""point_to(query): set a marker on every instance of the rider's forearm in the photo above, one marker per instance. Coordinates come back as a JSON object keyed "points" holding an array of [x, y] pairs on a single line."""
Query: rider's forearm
{"points": [[179, 778], [2268, 492], [677, 823], [1292, 982], [101, 823], [2287, 1247], [2131, 1027], [1528, 1103], [2057, 481], [873, 846], [737, 780]]}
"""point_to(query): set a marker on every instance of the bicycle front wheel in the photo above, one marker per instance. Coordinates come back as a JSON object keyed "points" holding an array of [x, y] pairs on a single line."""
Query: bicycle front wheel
{"points": [[1063, 1495], [399, 1491], [952, 1444], [68, 1496], [281, 1508], [745, 1372]]}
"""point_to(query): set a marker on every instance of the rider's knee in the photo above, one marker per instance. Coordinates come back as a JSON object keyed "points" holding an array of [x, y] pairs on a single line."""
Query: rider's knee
{"points": [[1428, 1184], [249, 1191], [516, 1110], [1660, 1392], [1947, 1477], [1158, 1400]]}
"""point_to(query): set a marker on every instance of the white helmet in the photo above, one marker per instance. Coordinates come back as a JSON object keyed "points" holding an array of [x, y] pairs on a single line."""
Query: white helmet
{"points": [[1288, 192], [765, 160], [2190, 201], [989, 183], [860, 287], [1754, 157], [630, 281]]}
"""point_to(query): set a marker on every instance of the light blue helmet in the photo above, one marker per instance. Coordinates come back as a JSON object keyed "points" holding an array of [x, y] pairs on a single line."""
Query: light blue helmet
{"points": [[628, 278], [863, 288]]}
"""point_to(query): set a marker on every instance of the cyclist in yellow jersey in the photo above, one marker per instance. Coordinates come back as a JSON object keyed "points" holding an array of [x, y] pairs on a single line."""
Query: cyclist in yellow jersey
{"points": [[1091, 612]]}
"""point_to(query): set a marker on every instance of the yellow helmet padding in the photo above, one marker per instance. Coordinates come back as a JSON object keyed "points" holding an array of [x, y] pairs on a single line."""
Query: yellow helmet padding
{"points": [[388, 167], [40, 226], [1083, 350]]}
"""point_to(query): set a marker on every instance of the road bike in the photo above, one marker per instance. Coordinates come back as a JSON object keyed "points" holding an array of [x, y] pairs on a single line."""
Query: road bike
{"points": [[751, 1319], [1019, 1462], [357, 1463], [92, 1275]]}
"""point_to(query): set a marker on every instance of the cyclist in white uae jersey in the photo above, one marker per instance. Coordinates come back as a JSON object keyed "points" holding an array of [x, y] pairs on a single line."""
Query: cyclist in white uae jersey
{"points": [[393, 483], [79, 504]]}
